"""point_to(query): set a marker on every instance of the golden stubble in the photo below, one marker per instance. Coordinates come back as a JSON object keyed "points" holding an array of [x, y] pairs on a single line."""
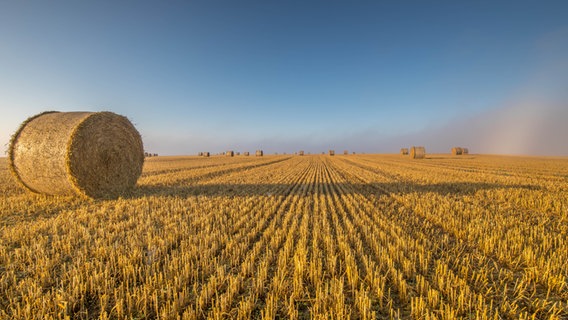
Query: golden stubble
{"points": [[358, 236]]}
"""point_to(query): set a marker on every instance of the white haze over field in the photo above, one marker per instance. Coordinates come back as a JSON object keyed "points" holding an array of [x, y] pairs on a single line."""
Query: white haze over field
{"points": [[528, 127], [532, 127]]}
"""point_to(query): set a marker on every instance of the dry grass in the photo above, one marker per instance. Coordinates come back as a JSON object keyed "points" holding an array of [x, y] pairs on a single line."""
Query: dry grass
{"points": [[362, 237]]}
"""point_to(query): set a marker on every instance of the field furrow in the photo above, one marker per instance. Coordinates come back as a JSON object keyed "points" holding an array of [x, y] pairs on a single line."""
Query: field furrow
{"points": [[298, 237], [500, 272]]}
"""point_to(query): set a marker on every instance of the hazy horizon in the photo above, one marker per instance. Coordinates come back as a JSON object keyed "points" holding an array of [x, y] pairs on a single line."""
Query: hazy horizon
{"points": [[373, 77]]}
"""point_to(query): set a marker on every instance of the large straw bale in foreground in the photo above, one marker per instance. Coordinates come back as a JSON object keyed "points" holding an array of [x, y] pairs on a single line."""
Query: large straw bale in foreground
{"points": [[94, 154], [417, 152]]}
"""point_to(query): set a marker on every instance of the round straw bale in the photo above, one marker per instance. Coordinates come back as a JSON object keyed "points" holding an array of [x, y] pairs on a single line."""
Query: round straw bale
{"points": [[465, 151], [331, 152], [259, 153], [404, 151], [456, 151], [301, 152], [417, 152], [94, 154]]}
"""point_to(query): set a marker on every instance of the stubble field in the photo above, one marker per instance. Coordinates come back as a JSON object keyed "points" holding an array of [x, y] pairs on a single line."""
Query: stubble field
{"points": [[320, 237]]}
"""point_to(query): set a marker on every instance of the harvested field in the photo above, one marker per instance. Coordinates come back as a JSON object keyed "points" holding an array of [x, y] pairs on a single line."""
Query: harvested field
{"points": [[364, 236]]}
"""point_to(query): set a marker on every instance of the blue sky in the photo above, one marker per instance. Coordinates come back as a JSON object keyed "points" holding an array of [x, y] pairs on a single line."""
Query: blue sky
{"points": [[283, 76]]}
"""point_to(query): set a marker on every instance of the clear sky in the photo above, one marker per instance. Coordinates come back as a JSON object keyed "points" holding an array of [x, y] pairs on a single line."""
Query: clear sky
{"points": [[289, 75]]}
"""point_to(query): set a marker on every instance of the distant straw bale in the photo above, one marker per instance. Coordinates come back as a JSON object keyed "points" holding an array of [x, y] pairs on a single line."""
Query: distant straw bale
{"points": [[206, 154], [417, 152], [230, 153], [259, 153], [465, 150], [404, 151], [331, 152], [457, 151], [301, 153], [246, 153], [345, 152], [93, 154]]}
